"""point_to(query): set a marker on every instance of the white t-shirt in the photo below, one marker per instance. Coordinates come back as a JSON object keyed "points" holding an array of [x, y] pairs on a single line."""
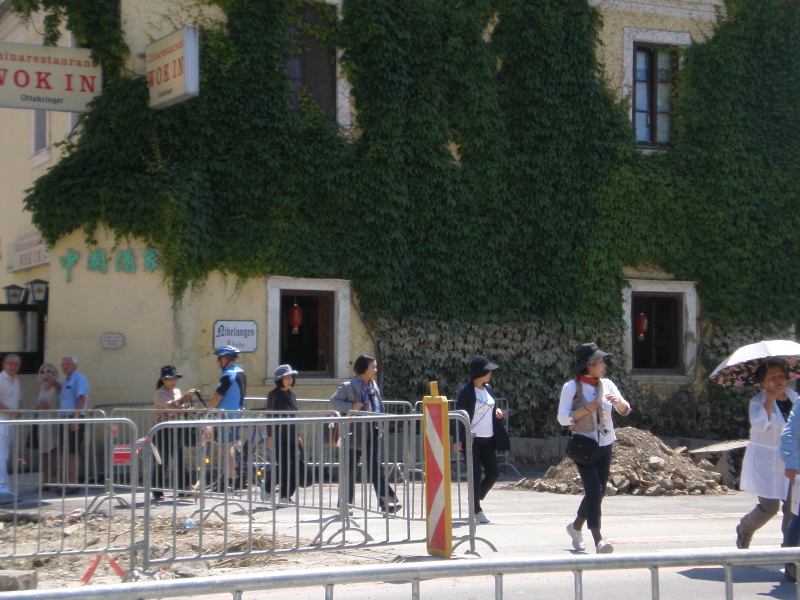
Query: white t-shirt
{"points": [[482, 425]]}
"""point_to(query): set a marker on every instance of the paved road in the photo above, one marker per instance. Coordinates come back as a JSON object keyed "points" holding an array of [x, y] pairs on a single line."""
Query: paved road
{"points": [[530, 525]]}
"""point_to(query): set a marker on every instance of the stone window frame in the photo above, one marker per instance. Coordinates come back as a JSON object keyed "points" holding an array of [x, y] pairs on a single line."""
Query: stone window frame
{"points": [[688, 291], [636, 35], [343, 112], [341, 321]]}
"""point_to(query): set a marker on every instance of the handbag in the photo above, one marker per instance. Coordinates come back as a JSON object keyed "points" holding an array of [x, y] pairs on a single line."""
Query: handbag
{"points": [[583, 450], [330, 434]]}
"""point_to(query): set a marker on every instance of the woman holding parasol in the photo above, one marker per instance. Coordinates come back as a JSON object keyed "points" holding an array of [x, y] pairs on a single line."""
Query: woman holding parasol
{"points": [[763, 468], [768, 364]]}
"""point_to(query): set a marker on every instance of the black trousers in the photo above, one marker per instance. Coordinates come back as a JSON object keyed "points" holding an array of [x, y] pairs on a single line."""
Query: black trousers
{"points": [[286, 451], [484, 455], [594, 478], [172, 473], [373, 464]]}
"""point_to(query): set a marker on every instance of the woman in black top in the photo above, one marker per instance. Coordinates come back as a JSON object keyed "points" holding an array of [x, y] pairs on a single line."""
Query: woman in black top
{"points": [[488, 434], [283, 400]]}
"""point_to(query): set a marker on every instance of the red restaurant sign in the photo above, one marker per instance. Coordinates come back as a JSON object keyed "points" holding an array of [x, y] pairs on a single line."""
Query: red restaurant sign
{"points": [[26, 253], [173, 68], [47, 77]]}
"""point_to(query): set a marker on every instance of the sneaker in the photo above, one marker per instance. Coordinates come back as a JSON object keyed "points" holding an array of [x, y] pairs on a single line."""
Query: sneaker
{"points": [[6, 498], [577, 538], [286, 501], [604, 547], [391, 507], [481, 518], [742, 540]]}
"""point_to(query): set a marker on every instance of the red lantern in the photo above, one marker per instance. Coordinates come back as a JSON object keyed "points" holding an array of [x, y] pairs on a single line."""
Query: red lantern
{"points": [[295, 318], [641, 326]]}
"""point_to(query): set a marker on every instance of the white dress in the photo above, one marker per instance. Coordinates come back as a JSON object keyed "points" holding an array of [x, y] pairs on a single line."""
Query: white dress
{"points": [[763, 468], [48, 434]]}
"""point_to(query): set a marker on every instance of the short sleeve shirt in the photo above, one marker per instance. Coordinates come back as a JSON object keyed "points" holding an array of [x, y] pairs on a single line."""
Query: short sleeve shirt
{"points": [[74, 386]]}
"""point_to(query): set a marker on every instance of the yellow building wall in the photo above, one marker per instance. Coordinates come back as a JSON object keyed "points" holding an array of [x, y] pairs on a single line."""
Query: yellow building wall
{"points": [[156, 332]]}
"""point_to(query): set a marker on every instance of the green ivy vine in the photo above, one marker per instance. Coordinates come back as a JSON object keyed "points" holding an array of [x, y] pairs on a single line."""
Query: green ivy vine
{"points": [[531, 218]]}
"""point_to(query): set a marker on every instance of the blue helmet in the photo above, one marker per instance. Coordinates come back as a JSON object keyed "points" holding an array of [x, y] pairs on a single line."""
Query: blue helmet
{"points": [[227, 351]]}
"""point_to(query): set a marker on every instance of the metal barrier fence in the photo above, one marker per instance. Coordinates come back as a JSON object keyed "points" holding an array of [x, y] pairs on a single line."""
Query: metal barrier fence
{"points": [[413, 574], [231, 476], [57, 508], [192, 455], [359, 475]]}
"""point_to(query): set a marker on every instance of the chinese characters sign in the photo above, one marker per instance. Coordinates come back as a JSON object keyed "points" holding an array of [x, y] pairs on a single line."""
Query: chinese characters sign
{"points": [[124, 261]]}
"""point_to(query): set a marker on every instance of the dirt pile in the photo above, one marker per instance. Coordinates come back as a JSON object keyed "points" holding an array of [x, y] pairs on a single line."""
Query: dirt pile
{"points": [[641, 465]]}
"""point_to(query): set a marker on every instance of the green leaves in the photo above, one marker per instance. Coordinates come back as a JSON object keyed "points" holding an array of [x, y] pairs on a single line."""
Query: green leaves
{"points": [[492, 176]]}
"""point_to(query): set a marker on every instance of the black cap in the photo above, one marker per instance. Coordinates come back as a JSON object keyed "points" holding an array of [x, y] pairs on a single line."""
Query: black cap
{"points": [[587, 354], [169, 372], [480, 366]]}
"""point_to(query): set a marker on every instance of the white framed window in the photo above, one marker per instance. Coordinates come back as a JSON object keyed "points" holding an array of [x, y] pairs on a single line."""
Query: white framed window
{"points": [[666, 351], [321, 346], [315, 69], [648, 67], [40, 137]]}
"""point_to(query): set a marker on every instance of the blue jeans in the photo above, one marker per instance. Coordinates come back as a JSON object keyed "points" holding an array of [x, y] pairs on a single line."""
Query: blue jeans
{"points": [[594, 478], [792, 537]]}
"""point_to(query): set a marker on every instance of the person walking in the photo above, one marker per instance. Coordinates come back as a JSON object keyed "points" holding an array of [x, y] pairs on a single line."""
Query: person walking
{"points": [[229, 396], [74, 401], [10, 397], [283, 400], [488, 434], [763, 468], [586, 407], [171, 405], [48, 400], [362, 394], [790, 454]]}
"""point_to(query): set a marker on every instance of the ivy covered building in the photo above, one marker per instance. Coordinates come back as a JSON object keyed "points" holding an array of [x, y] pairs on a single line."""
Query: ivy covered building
{"points": [[425, 180]]}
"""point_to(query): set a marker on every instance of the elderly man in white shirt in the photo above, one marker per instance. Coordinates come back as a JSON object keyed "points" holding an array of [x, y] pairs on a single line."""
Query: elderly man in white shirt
{"points": [[9, 405]]}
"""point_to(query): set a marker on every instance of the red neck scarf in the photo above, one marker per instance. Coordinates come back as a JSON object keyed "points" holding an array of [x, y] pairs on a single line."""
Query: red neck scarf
{"points": [[590, 380]]}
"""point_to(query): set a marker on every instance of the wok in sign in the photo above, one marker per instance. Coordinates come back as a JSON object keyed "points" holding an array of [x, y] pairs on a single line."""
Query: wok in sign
{"points": [[173, 68], [242, 335], [48, 77]]}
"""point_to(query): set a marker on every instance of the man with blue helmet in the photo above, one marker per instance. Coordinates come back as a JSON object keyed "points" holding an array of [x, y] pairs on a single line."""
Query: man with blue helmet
{"points": [[229, 395], [232, 386]]}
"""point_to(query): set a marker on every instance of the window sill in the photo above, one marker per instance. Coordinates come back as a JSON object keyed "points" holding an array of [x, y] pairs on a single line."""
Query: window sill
{"points": [[39, 158], [311, 380], [661, 378]]}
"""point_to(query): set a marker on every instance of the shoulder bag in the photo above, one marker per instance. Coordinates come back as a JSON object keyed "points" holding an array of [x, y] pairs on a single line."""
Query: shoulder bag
{"points": [[583, 450]]}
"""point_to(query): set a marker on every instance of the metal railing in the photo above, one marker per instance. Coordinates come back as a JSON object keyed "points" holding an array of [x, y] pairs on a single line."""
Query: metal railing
{"points": [[58, 515], [236, 469], [369, 470], [327, 578]]}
